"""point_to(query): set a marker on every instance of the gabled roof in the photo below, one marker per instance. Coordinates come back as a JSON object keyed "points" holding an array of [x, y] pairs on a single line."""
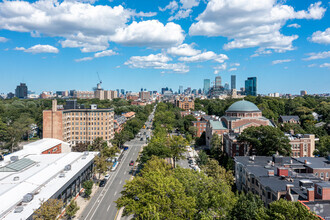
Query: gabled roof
{"points": [[218, 125], [289, 117]]}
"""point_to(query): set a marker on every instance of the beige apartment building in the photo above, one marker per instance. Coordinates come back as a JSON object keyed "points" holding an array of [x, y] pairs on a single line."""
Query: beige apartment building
{"points": [[78, 125]]}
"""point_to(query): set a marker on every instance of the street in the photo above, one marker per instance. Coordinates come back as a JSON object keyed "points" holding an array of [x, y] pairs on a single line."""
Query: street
{"points": [[102, 205]]}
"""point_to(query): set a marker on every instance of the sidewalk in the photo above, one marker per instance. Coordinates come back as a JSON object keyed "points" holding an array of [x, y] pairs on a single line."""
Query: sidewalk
{"points": [[83, 202]]}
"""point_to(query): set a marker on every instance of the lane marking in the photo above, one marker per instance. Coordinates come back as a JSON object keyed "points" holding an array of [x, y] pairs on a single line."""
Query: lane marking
{"points": [[115, 193], [108, 208]]}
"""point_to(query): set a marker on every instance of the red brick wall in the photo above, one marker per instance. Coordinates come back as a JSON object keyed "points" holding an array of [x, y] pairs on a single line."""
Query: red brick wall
{"points": [[246, 121], [54, 150]]}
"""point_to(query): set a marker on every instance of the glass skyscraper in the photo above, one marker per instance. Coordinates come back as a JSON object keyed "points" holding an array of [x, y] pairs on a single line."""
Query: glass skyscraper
{"points": [[206, 88], [233, 82], [251, 86]]}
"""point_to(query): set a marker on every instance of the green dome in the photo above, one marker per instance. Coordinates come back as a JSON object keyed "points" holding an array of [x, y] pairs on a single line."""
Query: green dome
{"points": [[243, 106]]}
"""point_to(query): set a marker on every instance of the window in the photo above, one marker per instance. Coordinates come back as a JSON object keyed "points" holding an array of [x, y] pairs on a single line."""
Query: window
{"points": [[319, 190], [316, 174], [326, 174], [321, 175]]}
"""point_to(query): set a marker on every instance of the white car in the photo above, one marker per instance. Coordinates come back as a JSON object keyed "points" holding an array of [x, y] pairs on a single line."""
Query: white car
{"points": [[106, 177]]}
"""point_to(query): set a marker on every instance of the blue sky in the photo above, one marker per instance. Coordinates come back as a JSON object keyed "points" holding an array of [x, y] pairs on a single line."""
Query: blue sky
{"points": [[60, 45]]}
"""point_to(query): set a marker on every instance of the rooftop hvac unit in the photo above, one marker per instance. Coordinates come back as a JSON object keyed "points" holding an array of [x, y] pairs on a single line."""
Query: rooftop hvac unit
{"points": [[86, 153], [62, 175], [16, 178], [13, 158], [18, 209], [67, 167], [27, 198], [83, 158]]}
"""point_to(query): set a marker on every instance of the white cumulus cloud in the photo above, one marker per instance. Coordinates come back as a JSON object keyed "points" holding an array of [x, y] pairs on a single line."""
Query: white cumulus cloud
{"points": [[151, 32], [205, 56], [295, 25], [232, 69], [183, 50], [316, 56], [39, 49], [249, 23], [325, 65], [3, 39], [187, 4], [172, 6], [281, 61], [105, 53], [86, 26], [321, 37], [156, 61]]}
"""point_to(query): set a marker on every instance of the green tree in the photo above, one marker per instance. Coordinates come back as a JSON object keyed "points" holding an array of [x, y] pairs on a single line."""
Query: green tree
{"points": [[80, 147], [177, 146], [287, 210], [216, 146], [213, 169], [72, 209], [323, 146], [202, 158], [156, 194], [88, 185], [101, 165], [265, 141], [247, 207], [200, 141], [48, 210]]}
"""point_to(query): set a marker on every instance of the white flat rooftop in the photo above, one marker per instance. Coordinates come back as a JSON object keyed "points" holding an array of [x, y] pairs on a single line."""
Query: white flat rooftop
{"points": [[39, 175]]}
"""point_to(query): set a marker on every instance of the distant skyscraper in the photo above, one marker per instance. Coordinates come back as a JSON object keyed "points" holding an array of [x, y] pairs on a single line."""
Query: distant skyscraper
{"points": [[226, 86], [180, 89], [251, 86], [122, 91], [233, 81], [206, 88], [217, 82], [164, 89], [21, 91]]}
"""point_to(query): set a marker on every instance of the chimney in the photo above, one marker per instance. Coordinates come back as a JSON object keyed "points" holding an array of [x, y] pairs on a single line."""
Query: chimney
{"points": [[310, 194], [270, 172], [54, 105], [288, 188], [281, 171]]}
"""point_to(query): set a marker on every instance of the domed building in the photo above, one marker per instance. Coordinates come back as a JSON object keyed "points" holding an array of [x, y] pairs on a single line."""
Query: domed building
{"points": [[239, 116]]}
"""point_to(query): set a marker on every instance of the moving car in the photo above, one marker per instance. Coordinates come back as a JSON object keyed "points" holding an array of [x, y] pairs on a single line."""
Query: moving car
{"points": [[131, 163], [103, 182]]}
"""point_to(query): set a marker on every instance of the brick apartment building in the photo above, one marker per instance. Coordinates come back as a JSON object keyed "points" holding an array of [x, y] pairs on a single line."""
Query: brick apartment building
{"points": [[144, 95], [185, 103], [293, 179], [76, 125], [302, 145]]}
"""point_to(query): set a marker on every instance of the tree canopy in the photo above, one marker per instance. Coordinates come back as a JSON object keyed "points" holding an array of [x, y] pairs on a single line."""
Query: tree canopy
{"points": [[265, 141]]}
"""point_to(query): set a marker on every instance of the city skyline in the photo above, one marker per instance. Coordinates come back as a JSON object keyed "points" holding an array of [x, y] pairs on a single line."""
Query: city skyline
{"points": [[152, 45]]}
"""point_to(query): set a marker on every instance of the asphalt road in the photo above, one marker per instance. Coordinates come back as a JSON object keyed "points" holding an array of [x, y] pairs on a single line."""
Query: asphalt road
{"points": [[102, 205]]}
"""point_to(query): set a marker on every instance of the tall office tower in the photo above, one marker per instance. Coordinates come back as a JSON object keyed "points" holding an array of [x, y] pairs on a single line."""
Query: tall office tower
{"points": [[164, 89], [122, 91], [226, 86], [21, 91], [233, 82], [206, 87], [78, 125], [180, 89], [251, 86], [217, 82], [118, 92]]}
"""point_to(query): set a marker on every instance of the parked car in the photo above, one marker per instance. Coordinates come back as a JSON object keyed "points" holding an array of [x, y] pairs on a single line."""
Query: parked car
{"points": [[103, 182], [141, 139], [131, 163], [107, 177]]}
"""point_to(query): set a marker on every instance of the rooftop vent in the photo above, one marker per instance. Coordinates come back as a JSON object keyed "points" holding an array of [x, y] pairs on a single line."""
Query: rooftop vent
{"points": [[18, 209], [13, 158], [16, 178], [28, 197], [62, 175], [83, 158], [86, 153], [67, 167]]}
